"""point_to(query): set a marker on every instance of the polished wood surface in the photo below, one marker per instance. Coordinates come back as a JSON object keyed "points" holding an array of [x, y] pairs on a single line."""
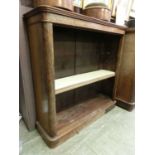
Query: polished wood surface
{"points": [[73, 119], [82, 112], [35, 43], [119, 56], [100, 13], [48, 50], [42, 60], [126, 73], [63, 44], [71, 19]]}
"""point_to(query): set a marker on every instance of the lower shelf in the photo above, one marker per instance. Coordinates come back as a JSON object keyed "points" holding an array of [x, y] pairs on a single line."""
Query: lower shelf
{"points": [[81, 114], [70, 121]]}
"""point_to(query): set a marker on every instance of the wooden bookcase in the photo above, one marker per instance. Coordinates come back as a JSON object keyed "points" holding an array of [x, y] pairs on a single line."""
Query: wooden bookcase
{"points": [[74, 60]]}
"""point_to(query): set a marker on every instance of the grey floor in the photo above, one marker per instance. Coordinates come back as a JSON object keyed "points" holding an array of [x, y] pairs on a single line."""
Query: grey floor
{"points": [[112, 134]]}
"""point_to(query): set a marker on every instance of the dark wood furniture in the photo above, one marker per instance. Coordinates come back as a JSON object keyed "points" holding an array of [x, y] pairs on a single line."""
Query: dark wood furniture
{"points": [[26, 92], [74, 62], [125, 85]]}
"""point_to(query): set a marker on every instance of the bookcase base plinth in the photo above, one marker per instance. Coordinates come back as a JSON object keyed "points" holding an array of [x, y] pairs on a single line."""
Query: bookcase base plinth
{"points": [[67, 126]]}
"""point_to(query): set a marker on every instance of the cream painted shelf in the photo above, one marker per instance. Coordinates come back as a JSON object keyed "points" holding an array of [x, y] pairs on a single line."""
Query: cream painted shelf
{"points": [[79, 80]]}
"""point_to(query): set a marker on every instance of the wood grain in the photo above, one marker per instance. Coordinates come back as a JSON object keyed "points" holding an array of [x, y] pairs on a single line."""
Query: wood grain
{"points": [[70, 122], [42, 60], [27, 98], [63, 17], [98, 12], [126, 73], [60, 50], [119, 56], [64, 47], [48, 49], [36, 55], [85, 111]]}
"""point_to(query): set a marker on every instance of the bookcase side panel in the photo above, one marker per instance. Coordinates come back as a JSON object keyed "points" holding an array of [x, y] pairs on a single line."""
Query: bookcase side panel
{"points": [[42, 62]]}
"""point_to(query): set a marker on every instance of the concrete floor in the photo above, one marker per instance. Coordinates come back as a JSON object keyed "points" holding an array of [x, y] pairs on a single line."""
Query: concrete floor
{"points": [[112, 134]]}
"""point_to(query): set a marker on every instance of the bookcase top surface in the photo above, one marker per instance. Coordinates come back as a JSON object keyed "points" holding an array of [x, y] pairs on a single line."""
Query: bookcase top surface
{"points": [[69, 18]]}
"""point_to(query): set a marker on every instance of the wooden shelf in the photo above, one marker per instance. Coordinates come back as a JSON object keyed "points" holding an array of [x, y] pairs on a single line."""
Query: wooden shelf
{"points": [[78, 116], [75, 81]]}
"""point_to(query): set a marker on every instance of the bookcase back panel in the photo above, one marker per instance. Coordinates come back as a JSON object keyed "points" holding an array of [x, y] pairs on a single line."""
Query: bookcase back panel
{"points": [[79, 51], [87, 52], [65, 100], [82, 94], [64, 47], [109, 51]]}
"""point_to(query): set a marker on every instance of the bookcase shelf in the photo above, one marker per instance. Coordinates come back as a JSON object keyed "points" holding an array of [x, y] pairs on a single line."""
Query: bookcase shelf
{"points": [[79, 80], [83, 113]]}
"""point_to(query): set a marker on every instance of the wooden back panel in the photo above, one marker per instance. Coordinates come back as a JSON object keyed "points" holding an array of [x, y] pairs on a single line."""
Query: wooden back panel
{"points": [[78, 51], [64, 47]]}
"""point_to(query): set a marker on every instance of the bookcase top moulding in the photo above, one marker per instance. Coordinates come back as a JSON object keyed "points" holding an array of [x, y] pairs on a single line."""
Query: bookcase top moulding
{"points": [[71, 19]]}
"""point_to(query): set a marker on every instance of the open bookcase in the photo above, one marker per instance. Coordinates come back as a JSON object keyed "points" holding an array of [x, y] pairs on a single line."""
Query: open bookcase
{"points": [[74, 62]]}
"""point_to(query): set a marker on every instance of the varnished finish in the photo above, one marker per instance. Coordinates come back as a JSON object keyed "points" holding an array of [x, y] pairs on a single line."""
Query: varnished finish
{"points": [[59, 49], [65, 4], [42, 59], [125, 84], [50, 74], [71, 19], [119, 56], [75, 118], [125, 105], [100, 13]]}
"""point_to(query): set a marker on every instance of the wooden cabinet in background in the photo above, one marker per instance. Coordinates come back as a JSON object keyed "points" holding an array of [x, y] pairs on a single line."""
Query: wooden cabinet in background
{"points": [[125, 83], [26, 92]]}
